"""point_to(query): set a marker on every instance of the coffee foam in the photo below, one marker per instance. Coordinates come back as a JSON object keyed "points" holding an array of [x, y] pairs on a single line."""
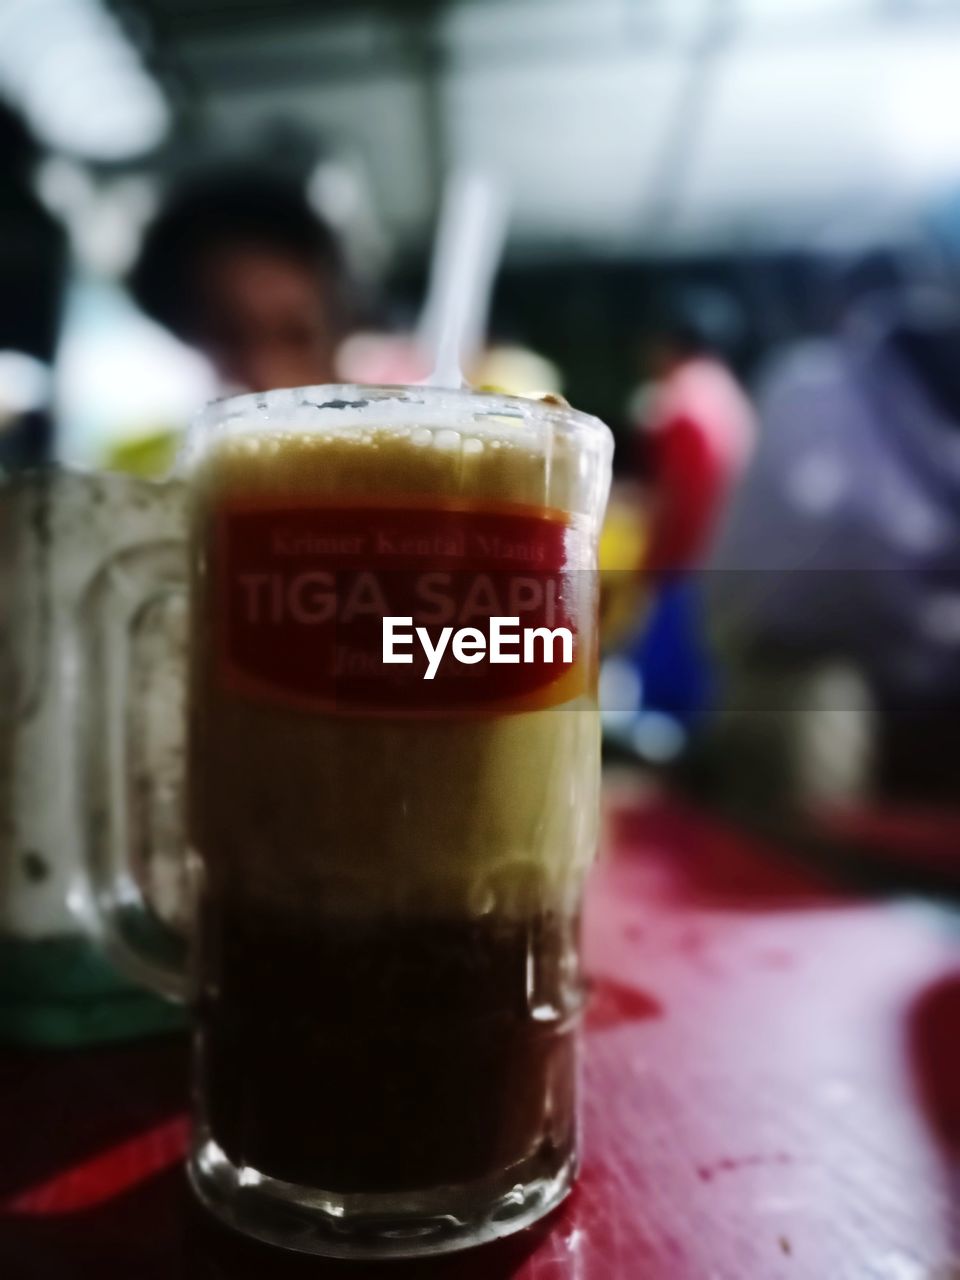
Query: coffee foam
{"points": [[496, 464]]}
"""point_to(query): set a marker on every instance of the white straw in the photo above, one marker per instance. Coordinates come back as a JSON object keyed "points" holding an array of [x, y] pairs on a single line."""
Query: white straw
{"points": [[469, 246]]}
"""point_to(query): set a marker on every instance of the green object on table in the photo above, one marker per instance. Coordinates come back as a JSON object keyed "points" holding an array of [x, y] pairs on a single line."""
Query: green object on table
{"points": [[62, 992]]}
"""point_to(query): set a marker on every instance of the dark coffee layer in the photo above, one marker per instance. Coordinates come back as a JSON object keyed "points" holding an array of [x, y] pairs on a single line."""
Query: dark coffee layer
{"points": [[387, 1055]]}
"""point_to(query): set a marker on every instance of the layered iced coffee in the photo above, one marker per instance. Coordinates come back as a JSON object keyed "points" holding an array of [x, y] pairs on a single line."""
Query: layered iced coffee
{"points": [[387, 974]]}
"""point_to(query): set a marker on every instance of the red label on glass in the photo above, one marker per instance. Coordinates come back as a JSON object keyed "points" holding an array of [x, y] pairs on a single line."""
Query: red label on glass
{"points": [[305, 591]]}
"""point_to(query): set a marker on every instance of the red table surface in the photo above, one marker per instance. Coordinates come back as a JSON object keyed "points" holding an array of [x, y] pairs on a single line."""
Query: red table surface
{"points": [[771, 1089]]}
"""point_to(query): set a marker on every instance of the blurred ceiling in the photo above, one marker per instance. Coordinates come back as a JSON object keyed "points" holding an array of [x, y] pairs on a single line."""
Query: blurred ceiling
{"points": [[617, 125], [70, 70]]}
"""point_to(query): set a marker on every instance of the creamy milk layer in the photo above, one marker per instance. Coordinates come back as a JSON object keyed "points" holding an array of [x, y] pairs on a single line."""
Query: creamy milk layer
{"points": [[317, 814]]}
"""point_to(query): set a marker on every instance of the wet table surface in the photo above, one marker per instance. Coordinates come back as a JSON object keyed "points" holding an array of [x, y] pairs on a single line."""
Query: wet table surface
{"points": [[772, 1089]]}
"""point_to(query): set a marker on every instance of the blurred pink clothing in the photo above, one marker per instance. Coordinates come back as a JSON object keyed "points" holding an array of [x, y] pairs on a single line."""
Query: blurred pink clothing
{"points": [[701, 431]]}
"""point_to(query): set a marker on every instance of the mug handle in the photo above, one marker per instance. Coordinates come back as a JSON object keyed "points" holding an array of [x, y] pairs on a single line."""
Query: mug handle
{"points": [[129, 727]]}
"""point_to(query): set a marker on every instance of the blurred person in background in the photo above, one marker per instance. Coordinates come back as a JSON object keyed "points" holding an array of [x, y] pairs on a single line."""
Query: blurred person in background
{"points": [[844, 542], [695, 433], [239, 265], [33, 263], [696, 428]]}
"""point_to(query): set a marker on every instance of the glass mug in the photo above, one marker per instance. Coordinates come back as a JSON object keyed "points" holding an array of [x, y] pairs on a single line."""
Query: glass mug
{"points": [[387, 864], [61, 528]]}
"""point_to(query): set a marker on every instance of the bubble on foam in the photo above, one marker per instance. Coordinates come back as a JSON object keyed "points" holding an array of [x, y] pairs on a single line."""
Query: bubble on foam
{"points": [[473, 445], [447, 438], [422, 435], [304, 414]]}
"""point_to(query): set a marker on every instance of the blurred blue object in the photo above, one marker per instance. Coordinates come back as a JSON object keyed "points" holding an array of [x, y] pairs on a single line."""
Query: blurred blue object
{"points": [[672, 656], [661, 688]]}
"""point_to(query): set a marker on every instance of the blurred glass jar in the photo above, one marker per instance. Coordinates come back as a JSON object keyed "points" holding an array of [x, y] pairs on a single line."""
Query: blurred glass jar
{"points": [[60, 532]]}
